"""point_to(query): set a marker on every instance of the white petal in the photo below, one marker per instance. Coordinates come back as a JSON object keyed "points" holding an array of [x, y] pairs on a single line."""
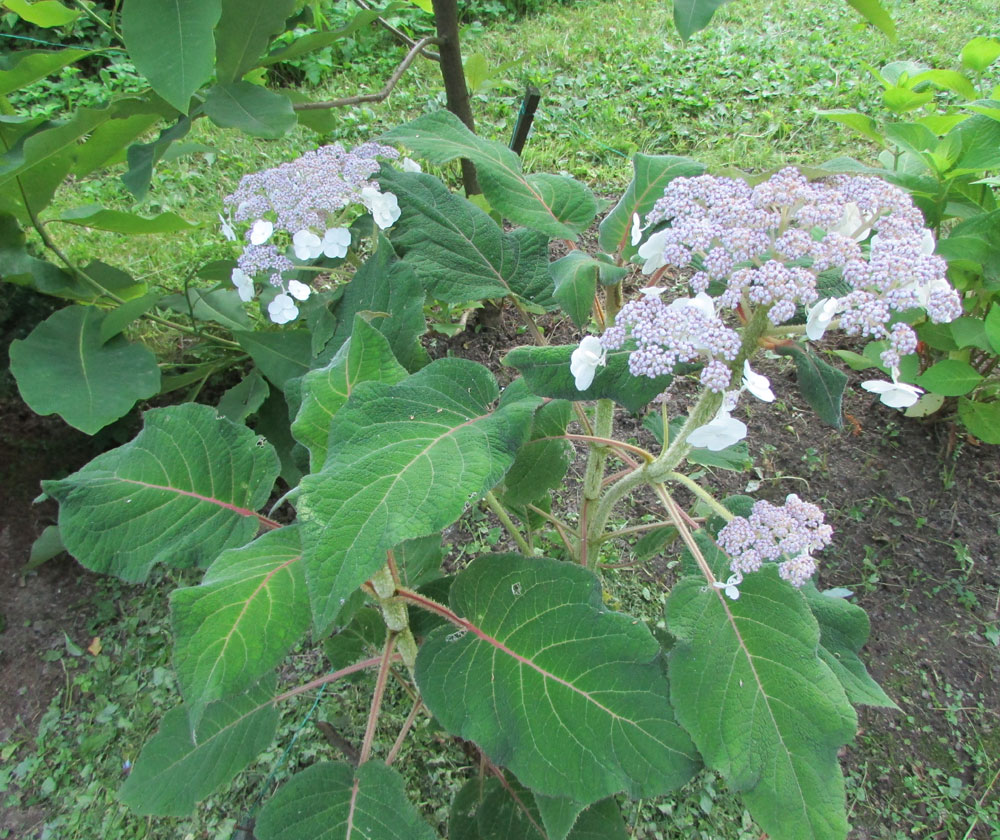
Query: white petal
{"points": [[894, 394], [336, 241], [719, 433], [821, 314], [927, 243], [299, 291], [705, 302], [227, 229], [307, 245], [282, 309], [585, 360], [243, 284], [653, 291], [261, 232], [411, 165], [637, 230], [652, 252], [384, 207], [757, 384]]}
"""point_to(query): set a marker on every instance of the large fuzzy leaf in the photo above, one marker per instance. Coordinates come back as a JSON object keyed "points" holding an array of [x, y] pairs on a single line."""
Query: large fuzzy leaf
{"points": [[366, 357], [180, 766], [574, 699], [183, 490], [245, 28], [333, 801], [822, 385], [238, 624], [652, 174], [546, 370], [403, 461], [172, 44], [553, 204], [763, 709], [64, 367], [458, 251], [252, 109]]}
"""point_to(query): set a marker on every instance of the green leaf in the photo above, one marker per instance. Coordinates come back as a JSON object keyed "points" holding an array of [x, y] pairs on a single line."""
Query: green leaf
{"points": [[117, 221], [305, 44], [537, 661], [950, 378], [652, 173], [172, 45], [364, 637], [249, 610], [243, 33], [970, 332], [843, 631], [365, 357], [553, 204], [982, 419], [459, 253], [243, 399], [22, 68], [402, 461], [979, 53], [855, 361], [118, 319], [222, 306], [333, 801], [821, 385], [392, 291], [142, 157], [186, 488], [177, 769], [692, 16], [18, 266], [763, 709], [44, 13], [950, 80], [48, 545], [546, 370], [980, 145], [575, 277], [861, 123], [541, 464], [65, 368], [876, 15], [991, 323], [252, 109], [281, 356]]}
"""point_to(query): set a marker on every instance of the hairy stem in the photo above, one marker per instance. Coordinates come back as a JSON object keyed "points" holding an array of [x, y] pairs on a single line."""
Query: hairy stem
{"points": [[604, 415], [501, 513], [373, 712]]}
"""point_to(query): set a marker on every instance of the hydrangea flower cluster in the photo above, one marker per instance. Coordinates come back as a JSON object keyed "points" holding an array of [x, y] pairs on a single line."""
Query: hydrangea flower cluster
{"points": [[769, 243], [683, 331], [302, 198], [793, 531]]}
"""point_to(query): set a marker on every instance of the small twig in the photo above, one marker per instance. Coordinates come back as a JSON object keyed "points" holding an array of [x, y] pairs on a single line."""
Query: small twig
{"points": [[380, 681], [398, 33], [407, 725], [371, 97], [339, 742]]}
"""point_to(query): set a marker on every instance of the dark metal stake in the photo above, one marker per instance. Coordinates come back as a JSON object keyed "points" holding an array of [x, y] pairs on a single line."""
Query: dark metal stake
{"points": [[524, 118]]}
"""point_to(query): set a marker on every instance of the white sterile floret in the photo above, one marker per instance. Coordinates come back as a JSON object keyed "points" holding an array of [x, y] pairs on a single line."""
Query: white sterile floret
{"points": [[721, 431], [409, 165], [756, 383], [299, 291], [307, 245], [637, 230], [227, 228], [894, 394], [243, 284], [653, 292], [852, 223], [585, 360], [652, 252], [383, 206], [702, 301], [730, 586], [282, 309], [821, 315], [336, 241], [261, 232]]}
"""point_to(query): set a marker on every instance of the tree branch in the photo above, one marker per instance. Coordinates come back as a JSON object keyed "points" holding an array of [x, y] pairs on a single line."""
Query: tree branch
{"points": [[371, 97], [397, 33]]}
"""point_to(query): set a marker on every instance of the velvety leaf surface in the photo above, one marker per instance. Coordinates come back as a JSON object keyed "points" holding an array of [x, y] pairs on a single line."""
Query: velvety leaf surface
{"points": [[459, 253], [176, 770], [403, 461], [546, 370], [763, 709], [182, 491], [281, 356], [244, 398], [172, 44], [244, 30], [571, 697], [252, 109], [64, 367], [366, 357], [541, 465], [843, 631], [821, 385], [652, 173], [553, 204], [333, 801], [575, 277], [239, 623]]}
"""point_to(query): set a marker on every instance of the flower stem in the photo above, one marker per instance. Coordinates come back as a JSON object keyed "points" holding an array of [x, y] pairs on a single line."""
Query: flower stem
{"points": [[702, 494], [507, 522], [593, 479]]}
